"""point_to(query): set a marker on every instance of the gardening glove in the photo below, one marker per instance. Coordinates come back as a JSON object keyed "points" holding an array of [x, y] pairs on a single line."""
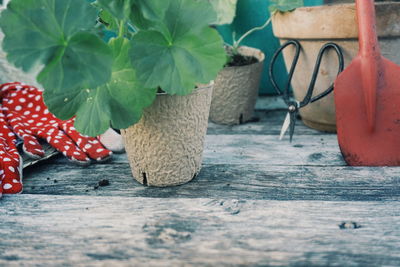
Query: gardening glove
{"points": [[30, 119], [10, 161], [112, 141]]}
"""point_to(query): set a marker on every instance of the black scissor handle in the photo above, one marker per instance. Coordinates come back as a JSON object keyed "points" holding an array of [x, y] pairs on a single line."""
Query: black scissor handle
{"points": [[309, 98], [285, 92]]}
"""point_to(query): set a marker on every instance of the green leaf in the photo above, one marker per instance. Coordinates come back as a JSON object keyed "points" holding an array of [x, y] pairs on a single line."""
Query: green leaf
{"points": [[147, 9], [152, 9], [120, 9], [225, 10], [120, 102], [284, 5], [187, 53], [128, 97], [145, 12], [49, 33], [109, 20], [93, 116], [84, 62], [64, 105]]}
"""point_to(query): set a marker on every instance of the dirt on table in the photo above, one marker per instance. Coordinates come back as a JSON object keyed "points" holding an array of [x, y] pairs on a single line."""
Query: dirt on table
{"points": [[101, 183]]}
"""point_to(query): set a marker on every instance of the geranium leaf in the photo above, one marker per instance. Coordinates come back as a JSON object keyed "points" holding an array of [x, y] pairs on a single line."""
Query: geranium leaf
{"points": [[92, 117], [145, 12], [64, 105], [48, 32], [225, 10], [187, 52], [128, 97], [84, 62], [152, 9], [120, 9], [120, 102]]}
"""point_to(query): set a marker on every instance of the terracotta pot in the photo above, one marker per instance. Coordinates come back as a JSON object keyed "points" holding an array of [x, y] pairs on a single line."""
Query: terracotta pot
{"points": [[315, 26], [165, 147], [236, 90]]}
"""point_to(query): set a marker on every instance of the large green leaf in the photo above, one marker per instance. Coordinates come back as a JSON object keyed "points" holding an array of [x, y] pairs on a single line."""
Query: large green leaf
{"points": [[225, 9], [146, 12], [119, 102], [128, 97], [187, 53], [152, 9], [284, 5], [85, 62], [49, 33], [140, 11]]}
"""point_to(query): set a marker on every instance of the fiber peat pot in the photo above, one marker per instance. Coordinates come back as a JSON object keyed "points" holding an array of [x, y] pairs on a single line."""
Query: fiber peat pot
{"points": [[165, 147], [236, 90], [315, 26]]}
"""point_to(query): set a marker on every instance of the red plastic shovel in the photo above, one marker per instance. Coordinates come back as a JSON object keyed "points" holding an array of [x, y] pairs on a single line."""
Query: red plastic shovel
{"points": [[367, 97]]}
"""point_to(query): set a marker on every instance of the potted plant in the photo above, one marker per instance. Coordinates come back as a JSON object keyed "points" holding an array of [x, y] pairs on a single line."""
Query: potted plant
{"points": [[152, 79], [237, 85], [315, 26]]}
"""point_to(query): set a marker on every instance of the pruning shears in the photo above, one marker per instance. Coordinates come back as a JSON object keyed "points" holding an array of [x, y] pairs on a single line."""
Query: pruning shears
{"points": [[293, 105]]}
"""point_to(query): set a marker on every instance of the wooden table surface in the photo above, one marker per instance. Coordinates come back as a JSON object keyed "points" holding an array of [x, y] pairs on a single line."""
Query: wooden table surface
{"points": [[257, 202]]}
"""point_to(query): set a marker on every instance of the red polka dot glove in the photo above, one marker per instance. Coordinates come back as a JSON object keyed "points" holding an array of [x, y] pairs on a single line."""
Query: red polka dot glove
{"points": [[10, 167], [30, 119]]}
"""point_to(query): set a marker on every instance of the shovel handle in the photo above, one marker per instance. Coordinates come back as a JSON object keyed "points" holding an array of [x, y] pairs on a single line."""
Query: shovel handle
{"points": [[370, 57], [368, 39]]}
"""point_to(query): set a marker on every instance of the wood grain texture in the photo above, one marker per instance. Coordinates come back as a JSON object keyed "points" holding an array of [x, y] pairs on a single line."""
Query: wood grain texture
{"points": [[124, 231], [242, 181], [256, 202], [266, 149], [265, 122]]}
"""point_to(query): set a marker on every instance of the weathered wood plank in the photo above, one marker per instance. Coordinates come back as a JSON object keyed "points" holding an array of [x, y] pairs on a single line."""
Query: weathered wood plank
{"points": [[264, 127], [224, 181], [264, 149], [116, 231], [266, 122]]}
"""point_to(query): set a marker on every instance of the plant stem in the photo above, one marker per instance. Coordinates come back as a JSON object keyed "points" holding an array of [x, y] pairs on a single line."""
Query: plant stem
{"points": [[237, 43], [121, 31]]}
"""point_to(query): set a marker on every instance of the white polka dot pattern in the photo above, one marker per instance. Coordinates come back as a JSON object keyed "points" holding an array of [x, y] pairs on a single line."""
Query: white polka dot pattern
{"points": [[10, 178], [30, 119]]}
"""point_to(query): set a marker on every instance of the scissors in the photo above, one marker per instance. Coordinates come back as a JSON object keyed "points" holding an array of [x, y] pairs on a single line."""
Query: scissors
{"points": [[293, 105]]}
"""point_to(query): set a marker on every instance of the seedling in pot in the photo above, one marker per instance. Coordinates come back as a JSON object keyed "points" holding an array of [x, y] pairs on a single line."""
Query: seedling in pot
{"points": [[159, 44], [234, 57]]}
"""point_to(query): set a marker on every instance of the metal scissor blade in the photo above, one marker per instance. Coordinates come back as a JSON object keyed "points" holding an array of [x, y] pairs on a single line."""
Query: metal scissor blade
{"points": [[285, 126], [292, 125]]}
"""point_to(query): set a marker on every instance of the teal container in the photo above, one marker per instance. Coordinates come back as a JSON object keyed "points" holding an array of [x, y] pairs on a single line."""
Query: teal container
{"points": [[250, 14]]}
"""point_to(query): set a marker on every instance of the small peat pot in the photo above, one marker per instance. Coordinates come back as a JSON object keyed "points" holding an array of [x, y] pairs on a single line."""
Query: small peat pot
{"points": [[315, 26], [165, 147], [236, 89]]}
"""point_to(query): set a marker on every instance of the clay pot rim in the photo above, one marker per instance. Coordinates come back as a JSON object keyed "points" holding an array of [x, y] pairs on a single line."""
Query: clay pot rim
{"points": [[350, 5], [333, 22], [257, 53], [198, 88]]}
